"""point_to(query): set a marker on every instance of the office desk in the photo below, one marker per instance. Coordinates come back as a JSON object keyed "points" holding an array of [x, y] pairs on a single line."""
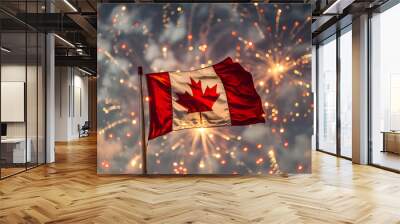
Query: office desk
{"points": [[391, 141], [13, 150]]}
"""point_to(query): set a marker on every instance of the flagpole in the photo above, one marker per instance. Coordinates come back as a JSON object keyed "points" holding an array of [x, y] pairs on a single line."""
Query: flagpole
{"points": [[142, 123]]}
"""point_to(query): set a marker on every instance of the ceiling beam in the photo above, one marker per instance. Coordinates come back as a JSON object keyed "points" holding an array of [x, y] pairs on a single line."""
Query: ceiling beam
{"points": [[78, 61], [86, 26]]}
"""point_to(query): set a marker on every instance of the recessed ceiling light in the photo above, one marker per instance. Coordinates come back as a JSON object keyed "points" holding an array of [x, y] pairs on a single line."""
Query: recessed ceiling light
{"points": [[84, 71]]}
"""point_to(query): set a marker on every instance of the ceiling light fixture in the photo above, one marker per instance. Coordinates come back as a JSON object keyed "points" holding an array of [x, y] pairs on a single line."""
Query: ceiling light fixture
{"points": [[70, 5], [64, 40], [79, 51], [84, 71], [5, 50], [337, 7]]}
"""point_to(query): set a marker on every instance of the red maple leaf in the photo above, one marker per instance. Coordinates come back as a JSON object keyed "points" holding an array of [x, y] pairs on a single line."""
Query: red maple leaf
{"points": [[199, 101]]}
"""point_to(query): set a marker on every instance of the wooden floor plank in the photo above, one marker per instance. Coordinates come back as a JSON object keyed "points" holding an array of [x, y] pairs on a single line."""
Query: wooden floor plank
{"points": [[69, 191]]}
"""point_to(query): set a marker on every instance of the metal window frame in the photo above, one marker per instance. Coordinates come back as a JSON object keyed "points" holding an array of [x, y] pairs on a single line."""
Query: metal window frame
{"points": [[339, 32], [387, 5]]}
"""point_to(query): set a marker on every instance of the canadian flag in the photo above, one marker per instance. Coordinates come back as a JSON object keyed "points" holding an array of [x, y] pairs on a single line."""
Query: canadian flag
{"points": [[219, 95]]}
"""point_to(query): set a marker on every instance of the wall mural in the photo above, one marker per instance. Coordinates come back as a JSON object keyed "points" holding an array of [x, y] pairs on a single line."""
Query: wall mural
{"points": [[229, 90]]}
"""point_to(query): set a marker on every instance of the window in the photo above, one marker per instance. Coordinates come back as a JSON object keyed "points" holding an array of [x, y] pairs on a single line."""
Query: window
{"points": [[385, 89], [346, 93], [327, 96]]}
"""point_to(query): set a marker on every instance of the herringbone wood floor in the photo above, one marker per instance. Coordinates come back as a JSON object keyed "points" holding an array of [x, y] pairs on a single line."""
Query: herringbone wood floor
{"points": [[69, 191]]}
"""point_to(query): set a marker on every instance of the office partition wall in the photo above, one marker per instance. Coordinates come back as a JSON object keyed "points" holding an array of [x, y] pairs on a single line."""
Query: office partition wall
{"points": [[13, 90], [22, 77]]}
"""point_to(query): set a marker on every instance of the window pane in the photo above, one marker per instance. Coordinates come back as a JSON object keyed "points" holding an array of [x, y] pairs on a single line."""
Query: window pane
{"points": [[327, 97], [346, 94], [385, 89]]}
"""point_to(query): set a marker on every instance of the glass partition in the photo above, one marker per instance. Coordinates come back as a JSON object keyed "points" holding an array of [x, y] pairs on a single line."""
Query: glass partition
{"points": [[22, 88], [14, 153]]}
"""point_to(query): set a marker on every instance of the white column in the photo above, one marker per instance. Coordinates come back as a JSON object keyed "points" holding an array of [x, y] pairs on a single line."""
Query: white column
{"points": [[50, 99], [50, 92], [360, 90]]}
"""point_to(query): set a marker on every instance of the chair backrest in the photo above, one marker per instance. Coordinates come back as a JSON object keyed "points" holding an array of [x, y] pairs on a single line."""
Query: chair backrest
{"points": [[86, 124]]}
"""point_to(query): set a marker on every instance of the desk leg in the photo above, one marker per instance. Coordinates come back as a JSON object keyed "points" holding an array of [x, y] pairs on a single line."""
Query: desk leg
{"points": [[384, 142]]}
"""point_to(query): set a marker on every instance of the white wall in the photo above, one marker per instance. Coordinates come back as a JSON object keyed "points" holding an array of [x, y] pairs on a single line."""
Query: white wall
{"points": [[80, 110], [61, 103], [12, 73], [71, 94]]}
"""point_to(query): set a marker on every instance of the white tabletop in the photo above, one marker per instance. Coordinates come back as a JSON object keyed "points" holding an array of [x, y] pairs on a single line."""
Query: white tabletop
{"points": [[13, 140]]}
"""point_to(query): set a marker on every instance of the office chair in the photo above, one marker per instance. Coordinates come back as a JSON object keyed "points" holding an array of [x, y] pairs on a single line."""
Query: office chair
{"points": [[84, 130]]}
